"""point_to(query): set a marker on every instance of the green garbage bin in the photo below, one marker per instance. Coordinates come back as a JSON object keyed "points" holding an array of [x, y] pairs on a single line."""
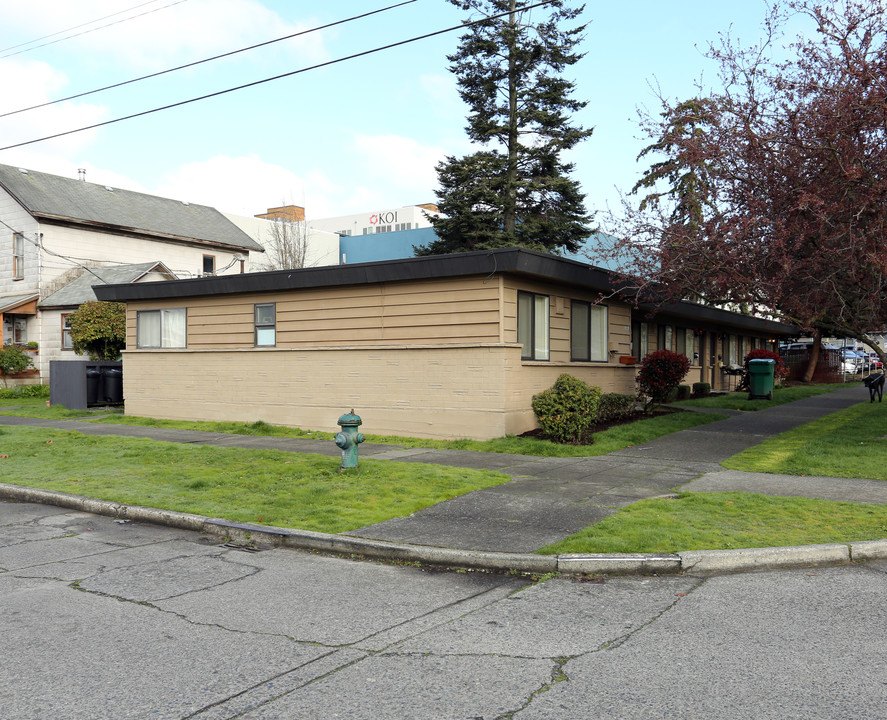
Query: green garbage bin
{"points": [[760, 379]]}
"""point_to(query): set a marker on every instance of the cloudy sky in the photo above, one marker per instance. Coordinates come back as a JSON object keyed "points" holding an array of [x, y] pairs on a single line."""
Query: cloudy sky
{"points": [[355, 136]]}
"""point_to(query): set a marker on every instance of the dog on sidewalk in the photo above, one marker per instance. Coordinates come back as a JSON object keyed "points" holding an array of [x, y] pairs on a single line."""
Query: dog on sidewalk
{"points": [[875, 384]]}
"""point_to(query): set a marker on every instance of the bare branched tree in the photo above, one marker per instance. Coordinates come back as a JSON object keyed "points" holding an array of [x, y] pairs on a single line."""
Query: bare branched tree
{"points": [[286, 245]]}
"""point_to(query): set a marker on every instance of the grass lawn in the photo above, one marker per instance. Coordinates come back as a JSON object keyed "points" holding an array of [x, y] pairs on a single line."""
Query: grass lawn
{"points": [[261, 486], [849, 443], [740, 401], [606, 441], [306, 491], [702, 521]]}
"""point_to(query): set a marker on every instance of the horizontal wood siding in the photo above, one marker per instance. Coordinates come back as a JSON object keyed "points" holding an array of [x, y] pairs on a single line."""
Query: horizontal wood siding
{"points": [[618, 318], [430, 312]]}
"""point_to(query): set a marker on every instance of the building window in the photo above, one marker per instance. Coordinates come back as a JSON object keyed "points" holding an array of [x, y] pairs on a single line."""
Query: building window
{"points": [[67, 343], [19, 331], [532, 325], [209, 265], [266, 325], [732, 350], [18, 256], [161, 328], [588, 332], [639, 339]]}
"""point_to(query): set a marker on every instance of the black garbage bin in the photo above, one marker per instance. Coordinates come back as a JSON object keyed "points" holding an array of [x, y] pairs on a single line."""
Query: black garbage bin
{"points": [[93, 381], [112, 386]]}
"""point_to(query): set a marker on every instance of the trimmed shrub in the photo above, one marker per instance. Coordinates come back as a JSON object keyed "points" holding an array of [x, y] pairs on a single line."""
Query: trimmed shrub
{"points": [[660, 374], [98, 329], [615, 406], [567, 409], [701, 389], [683, 392]]}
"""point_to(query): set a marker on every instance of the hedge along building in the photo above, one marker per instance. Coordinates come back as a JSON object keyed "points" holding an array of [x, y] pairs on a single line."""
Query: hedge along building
{"points": [[446, 346]]}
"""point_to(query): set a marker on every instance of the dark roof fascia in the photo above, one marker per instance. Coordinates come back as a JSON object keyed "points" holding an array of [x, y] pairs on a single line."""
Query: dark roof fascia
{"points": [[541, 266], [487, 262], [119, 230], [716, 316]]}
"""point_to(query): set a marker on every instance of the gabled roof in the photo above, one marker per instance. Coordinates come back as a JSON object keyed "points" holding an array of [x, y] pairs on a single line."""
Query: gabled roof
{"points": [[60, 199], [517, 261], [8, 304], [79, 290]]}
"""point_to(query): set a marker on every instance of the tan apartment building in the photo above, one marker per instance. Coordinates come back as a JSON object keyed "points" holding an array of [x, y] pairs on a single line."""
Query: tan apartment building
{"points": [[441, 347]]}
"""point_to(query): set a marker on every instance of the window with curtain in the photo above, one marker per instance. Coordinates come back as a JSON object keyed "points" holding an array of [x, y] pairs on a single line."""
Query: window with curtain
{"points": [[161, 328], [533, 325], [588, 332]]}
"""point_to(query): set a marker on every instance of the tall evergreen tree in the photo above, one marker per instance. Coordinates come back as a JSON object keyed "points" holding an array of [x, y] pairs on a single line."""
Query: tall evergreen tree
{"points": [[517, 190]]}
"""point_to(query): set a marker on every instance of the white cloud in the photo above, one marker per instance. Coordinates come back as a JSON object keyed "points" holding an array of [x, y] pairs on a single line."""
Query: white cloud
{"points": [[153, 36], [24, 84], [403, 167], [238, 185]]}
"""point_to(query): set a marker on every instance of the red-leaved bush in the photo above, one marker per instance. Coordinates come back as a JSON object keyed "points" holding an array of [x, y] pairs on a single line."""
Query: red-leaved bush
{"points": [[780, 371], [660, 374]]}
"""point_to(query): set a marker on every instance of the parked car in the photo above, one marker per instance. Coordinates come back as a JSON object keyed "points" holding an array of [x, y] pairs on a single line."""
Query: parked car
{"points": [[876, 362], [854, 358]]}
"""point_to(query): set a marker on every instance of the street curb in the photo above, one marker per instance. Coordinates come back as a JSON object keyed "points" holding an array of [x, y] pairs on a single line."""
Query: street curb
{"points": [[695, 561]]}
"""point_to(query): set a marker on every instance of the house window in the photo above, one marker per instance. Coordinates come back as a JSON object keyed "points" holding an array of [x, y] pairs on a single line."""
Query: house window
{"points": [[639, 339], [732, 350], [209, 264], [266, 325], [18, 256], [161, 328], [588, 332], [67, 343], [532, 325], [19, 331]]}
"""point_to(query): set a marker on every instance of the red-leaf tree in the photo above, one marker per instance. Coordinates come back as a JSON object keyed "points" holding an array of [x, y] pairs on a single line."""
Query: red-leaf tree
{"points": [[770, 195]]}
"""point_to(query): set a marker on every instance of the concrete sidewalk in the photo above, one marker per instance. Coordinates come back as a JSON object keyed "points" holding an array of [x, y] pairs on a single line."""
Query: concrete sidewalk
{"points": [[551, 498]]}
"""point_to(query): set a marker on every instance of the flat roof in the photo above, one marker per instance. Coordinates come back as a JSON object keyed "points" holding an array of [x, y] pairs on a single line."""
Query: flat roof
{"points": [[516, 261]]}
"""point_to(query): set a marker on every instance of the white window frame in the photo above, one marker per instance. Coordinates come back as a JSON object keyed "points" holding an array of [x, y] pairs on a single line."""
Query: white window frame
{"points": [[171, 328], [18, 256], [589, 332], [263, 326], [534, 325], [67, 342]]}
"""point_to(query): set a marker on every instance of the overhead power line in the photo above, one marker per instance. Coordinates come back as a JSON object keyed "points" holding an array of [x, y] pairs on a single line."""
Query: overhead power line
{"points": [[276, 77], [86, 32], [209, 59]]}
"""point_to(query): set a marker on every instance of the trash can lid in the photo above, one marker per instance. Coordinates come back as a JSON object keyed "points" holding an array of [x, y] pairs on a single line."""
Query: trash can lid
{"points": [[761, 360]]}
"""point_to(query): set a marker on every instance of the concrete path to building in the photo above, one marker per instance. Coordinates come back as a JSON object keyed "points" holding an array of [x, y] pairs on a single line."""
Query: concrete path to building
{"points": [[551, 498]]}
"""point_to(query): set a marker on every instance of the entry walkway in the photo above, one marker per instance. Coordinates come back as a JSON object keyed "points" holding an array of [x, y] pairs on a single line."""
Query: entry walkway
{"points": [[550, 498]]}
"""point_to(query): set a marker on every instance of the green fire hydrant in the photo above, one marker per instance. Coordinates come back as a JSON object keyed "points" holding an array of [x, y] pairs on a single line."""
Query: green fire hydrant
{"points": [[348, 439]]}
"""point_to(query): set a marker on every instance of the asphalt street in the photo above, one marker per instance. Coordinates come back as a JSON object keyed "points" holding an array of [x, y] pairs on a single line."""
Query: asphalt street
{"points": [[103, 618]]}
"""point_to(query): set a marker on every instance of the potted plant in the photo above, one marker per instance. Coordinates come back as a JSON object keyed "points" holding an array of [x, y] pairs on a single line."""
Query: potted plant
{"points": [[628, 360]]}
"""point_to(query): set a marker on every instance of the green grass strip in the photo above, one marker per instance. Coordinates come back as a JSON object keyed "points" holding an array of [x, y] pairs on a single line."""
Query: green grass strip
{"points": [[702, 521], [292, 490], [615, 438], [740, 401], [849, 443]]}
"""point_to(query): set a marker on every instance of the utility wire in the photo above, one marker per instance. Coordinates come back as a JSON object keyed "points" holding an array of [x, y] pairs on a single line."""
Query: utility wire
{"points": [[39, 244], [276, 77], [86, 32], [209, 59]]}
